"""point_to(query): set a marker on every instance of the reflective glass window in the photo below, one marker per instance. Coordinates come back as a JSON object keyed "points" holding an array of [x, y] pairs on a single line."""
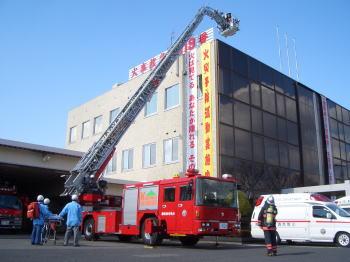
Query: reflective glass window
{"points": [[73, 134], [257, 125], [255, 92], [292, 130], [288, 86], [282, 129], [254, 69], [266, 76], [332, 109], [268, 99], [339, 114], [226, 86], [151, 105], [226, 140], [294, 157], [98, 124], [127, 159], [243, 144], [334, 128], [347, 133], [241, 115], [226, 110], [113, 114], [171, 150], [283, 152], [336, 148], [240, 88], [239, 62], [342, 151], [85, 132], [172, 96], [258, 148], [341, 131], [270, 128], [149, 155], [271, 151], [281, 106], [291, 109]]}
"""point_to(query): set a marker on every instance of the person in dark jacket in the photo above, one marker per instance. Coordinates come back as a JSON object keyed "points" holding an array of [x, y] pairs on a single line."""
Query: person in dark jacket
{"points": [[38, 223], [74, 217], [267, 222]]}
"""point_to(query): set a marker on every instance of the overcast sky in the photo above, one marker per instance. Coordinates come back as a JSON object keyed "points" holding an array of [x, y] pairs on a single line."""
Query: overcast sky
{"points": [[56, 55]]}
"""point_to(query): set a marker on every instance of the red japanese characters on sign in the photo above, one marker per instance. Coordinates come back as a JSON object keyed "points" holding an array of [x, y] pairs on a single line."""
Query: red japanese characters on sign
{"points": [[191, 91], [193, 42]]}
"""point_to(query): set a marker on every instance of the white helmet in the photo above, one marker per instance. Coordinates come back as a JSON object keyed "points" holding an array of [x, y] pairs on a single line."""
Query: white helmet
{"points": [[74, 197], [40, 198], [46, 201], [270, 200]]}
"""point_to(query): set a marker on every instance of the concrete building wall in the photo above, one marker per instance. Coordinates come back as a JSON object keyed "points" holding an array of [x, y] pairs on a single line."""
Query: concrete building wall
{"points": [[156, 128]]}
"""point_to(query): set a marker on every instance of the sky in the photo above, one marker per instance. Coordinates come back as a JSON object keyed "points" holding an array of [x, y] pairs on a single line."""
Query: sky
{"points": [[58, 54]]}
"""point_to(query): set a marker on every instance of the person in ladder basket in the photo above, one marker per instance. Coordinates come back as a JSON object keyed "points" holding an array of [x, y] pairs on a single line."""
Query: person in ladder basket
{"points": [[267, 222]]}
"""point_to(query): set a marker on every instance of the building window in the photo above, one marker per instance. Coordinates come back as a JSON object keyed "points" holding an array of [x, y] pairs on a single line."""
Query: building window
{"points": [[149, 155], [172, 96], [112, 164], [85, 129], [127, 159], [171, 149], [151, 106], [98, 124], [73, 134], [113, 114]]}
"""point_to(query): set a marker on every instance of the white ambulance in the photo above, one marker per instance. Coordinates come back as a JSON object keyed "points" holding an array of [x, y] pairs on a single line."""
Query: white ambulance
{"points": [[344, 203], [306, 217]]}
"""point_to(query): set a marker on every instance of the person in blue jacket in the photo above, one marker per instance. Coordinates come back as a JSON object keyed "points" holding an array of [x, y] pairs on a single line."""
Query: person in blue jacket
{"points": [[38, 223], [74, 217]]}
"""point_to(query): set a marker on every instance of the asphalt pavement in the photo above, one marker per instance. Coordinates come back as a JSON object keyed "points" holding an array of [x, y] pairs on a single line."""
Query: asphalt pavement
{"points": [[17, 248]]}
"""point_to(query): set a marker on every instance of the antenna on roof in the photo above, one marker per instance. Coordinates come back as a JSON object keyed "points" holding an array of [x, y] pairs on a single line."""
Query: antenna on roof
{"points": [[279, 47], [287, 49], [296, 59]]}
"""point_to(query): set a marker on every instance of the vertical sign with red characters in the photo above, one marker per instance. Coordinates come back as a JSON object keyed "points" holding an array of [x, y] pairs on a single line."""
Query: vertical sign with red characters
{"points": [[207, 111], [191, 148]]}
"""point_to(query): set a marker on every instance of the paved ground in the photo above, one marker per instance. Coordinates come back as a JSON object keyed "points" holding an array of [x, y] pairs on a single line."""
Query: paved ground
{"points": [[17, 248]]}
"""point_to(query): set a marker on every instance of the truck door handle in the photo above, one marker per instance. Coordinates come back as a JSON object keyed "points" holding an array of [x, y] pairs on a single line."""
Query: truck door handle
{"points": [[179, 205], [163, 206]]}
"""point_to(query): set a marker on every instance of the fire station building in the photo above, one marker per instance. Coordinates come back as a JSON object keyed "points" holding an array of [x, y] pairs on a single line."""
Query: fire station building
{"points": [[245, 118]]}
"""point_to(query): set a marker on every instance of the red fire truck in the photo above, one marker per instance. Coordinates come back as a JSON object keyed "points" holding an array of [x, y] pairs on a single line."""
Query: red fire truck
{"points": [[186, 208], [11, 208]]}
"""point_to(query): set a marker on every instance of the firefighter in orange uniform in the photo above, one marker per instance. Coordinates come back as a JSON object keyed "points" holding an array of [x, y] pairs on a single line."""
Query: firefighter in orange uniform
{"points": [[267, 222]]}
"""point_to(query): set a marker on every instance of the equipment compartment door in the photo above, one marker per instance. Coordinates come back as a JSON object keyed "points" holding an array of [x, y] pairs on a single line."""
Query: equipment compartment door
{"points": [[130, 206]]}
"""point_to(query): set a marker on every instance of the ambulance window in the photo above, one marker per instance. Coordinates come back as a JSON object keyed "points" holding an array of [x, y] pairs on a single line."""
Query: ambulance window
{"points": [[185, 194], [319, 211], [169, 194]]}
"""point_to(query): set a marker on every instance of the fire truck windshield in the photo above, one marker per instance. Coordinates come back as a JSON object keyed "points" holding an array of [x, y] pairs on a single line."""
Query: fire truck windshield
{"points": [[11, 202], [216, 193]]}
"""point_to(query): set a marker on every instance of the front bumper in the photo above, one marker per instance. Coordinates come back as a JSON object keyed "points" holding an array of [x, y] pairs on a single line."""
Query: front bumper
{"points": [[217, 228], [10, 223]]}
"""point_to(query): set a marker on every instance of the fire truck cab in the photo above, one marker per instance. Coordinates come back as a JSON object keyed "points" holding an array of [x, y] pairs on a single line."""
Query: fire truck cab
{"points": [[11, 208], [186, 208]]}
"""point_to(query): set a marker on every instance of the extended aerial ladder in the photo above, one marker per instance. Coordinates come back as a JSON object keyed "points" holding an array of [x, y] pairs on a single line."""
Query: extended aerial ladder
{"points": [[85, 177]]}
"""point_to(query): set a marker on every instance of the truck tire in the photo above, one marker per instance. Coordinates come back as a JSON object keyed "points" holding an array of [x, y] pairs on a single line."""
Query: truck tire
{"points": [[189, 241], [343, 239], [151, 239], [89, 230], [278, 239]]}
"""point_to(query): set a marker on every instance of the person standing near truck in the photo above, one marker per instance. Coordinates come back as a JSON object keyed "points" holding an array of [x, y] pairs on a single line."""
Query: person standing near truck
{"points": [[74, 218], [41, 213], [267, 222]]}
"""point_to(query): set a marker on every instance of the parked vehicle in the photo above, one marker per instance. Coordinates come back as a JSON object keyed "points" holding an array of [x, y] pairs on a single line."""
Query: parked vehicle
{"points": [[306, 218], [186, 208], [344, 203], [11, 208]]}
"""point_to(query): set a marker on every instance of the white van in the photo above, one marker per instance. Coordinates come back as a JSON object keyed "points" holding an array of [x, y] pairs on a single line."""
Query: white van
{"points": [[306, 217], [344, 203]]}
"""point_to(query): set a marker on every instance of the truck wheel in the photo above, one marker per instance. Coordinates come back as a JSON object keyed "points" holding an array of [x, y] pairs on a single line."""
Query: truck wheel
{"points": [[89, 230], [153, 238], [189, 241], [278, 238], [343, 239]]}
